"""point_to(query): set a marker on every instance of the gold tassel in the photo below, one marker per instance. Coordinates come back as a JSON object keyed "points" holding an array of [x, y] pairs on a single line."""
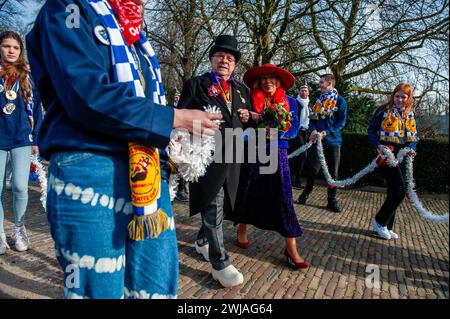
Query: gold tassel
{"points": [[148, 226]]}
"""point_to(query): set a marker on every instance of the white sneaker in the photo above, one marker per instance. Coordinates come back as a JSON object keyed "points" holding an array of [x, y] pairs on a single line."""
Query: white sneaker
{"points": [[228, 277], [202, 250], [383, 232], [393, 235], [20, 237], [3, 244], [8, 184]]}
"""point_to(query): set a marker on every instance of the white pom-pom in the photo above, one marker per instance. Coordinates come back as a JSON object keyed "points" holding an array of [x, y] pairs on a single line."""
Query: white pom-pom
{"points": [[192, 155]]}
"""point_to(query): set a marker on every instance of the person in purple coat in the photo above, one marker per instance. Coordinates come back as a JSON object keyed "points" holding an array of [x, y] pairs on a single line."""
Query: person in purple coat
{"points": [[265, 200]]}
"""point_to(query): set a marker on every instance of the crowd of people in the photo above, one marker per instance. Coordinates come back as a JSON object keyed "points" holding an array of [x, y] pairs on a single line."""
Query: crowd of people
{"points": [[105, 130]]}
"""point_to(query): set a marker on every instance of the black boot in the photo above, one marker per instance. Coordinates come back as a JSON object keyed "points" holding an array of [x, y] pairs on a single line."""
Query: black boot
{"points": [[333, 205], [332, 202], [181, 194], [293, 181], [302, 198], [308, 189]]}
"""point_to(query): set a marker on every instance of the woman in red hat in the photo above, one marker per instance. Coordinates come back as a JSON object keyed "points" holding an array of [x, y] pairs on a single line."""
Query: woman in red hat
{"points": [[266, 199]]}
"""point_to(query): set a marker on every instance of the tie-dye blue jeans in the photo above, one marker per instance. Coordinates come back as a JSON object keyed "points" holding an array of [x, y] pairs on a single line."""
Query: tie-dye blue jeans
{"points": [[89, 208]]}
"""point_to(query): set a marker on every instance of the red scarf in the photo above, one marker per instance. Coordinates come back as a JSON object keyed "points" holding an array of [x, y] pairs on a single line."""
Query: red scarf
{"points": [[129, 15], [9, 78], [259, 97]]}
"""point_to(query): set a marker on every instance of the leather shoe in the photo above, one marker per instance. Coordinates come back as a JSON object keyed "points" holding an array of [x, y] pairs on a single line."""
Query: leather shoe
{"points": [[300, 265], [333, 206], [228, 277], [302, 198]]}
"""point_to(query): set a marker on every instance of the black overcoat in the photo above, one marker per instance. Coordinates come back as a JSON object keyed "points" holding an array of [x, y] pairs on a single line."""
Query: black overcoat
{"points": [[195, 95]]}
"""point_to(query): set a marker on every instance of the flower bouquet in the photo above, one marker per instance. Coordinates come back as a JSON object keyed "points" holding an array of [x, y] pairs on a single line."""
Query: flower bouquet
{"points": [[276, 116]]}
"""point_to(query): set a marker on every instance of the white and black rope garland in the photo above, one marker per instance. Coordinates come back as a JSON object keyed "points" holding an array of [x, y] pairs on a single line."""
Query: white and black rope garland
{"points": [[301, 149], [392, 161], [42, 177], [192, 161]]}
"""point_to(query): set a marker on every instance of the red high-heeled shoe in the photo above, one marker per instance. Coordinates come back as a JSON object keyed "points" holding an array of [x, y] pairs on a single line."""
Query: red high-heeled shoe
{"points": [[243, 245], [300, 265]]}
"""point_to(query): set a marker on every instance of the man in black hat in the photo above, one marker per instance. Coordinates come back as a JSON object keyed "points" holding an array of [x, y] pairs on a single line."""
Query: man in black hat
{"points": [[215, 192]]}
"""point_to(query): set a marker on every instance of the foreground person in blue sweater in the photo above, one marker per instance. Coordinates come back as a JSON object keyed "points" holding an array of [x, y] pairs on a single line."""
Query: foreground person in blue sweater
{"points": [[20, 116]]}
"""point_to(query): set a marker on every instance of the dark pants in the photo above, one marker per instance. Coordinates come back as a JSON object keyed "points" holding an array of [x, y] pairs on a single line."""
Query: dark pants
{"points": [[396, 192], [211, 231], [297, 163], [182, 186], [332, 156]]}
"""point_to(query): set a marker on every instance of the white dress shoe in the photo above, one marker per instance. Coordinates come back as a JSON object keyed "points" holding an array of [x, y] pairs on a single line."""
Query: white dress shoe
{"points": [[228, 277], [383, 232], [202, 250], [393, 235]]}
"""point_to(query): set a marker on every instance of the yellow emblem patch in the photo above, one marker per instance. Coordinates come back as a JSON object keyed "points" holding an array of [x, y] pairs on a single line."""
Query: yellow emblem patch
{"points": [[411, 125], [145, 175], [390, 124], [317, 108], [329, 104]]}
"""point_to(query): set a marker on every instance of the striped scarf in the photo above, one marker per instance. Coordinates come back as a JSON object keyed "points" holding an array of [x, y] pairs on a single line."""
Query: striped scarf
{"points": [[325, 105], [149, 220]]}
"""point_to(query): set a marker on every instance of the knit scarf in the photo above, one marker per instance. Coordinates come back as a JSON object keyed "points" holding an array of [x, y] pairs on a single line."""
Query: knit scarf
{"points": [[129, 16], [395, 129], [149, 220], [303, 102], [325, 105]]}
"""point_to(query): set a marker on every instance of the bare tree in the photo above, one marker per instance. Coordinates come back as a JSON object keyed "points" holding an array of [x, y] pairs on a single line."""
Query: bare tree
{"points": [[17, 15], [183, 32], [355, 38]]}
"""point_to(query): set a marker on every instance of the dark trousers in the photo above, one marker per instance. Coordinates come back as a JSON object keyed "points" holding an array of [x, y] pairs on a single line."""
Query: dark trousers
{"points": [[182, 186], [396, 192], [333, 157], [211, 231], [297, 163]]}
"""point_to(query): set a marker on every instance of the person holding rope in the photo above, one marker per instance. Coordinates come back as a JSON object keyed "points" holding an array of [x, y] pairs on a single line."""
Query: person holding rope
{"points": [[108, 202], [394, 126], [20, 118], [327, 119]]}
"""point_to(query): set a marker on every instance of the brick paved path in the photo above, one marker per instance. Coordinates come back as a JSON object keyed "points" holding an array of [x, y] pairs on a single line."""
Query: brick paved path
{"points": [[339, 247]]}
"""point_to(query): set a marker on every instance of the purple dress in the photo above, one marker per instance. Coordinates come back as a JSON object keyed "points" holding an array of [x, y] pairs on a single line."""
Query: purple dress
{"points": [[265, 200]]}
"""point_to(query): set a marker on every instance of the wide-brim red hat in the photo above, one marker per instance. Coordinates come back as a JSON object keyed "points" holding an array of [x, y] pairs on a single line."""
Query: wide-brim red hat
{"points": [[286, 77]]}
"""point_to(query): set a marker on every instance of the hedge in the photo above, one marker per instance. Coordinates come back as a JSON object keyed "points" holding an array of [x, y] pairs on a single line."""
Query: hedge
{"points": [[430, 164]]}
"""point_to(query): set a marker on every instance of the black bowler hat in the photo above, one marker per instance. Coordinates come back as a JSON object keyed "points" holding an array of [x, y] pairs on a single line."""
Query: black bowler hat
{"points": [[226, 43]]}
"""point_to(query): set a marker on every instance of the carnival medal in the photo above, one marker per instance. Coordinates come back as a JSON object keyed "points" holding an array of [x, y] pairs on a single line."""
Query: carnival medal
{"points": [[9, 108], [11, 95]]}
